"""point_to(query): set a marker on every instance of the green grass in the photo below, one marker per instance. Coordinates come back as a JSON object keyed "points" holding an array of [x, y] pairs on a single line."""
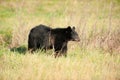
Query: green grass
{"points": [[6, 12]]}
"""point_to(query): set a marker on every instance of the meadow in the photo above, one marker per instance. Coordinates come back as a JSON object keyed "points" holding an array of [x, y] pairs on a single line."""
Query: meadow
{"points": [[95, 57]]}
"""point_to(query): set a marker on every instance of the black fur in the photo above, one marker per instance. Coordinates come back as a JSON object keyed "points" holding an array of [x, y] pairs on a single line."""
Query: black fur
{"points": [[44, 37]]}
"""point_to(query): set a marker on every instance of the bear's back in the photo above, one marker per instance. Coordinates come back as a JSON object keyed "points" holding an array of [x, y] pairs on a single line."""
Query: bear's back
{"points": [[40, 28]]}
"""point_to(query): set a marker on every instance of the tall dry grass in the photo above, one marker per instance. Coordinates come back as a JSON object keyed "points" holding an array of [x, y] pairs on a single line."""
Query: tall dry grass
{"points": [[97, 23], [84, 66]]}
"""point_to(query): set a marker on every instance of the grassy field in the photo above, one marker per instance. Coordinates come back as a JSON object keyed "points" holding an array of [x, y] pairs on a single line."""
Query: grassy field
{"points": [[79, 65], [95, 57]]}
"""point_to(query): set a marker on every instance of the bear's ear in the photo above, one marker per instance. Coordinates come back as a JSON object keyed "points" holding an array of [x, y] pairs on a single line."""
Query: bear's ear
{"points": [[73, 27], [68, 28]]}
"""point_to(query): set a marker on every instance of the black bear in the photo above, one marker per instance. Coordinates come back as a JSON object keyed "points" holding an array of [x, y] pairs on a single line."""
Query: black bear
{"points": [[44, 37]]}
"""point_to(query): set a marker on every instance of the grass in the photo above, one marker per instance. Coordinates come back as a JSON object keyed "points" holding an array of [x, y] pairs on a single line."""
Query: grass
{"points": [[85, 65], [96, 57]]}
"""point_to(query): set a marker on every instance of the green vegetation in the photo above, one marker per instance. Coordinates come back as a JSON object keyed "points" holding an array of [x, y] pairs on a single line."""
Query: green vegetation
{"points": [[95, 57]]}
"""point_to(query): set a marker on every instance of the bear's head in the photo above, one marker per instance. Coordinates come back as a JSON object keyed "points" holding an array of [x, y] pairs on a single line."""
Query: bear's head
{"points": [[72, 35]]}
